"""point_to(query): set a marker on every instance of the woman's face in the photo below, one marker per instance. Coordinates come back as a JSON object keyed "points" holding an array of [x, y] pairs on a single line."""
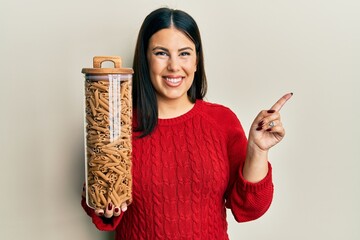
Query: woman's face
{"points": [[172, 61]]}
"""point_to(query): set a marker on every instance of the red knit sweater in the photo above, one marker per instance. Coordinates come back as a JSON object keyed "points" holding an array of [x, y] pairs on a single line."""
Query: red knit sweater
{"points": [[184, 175]]}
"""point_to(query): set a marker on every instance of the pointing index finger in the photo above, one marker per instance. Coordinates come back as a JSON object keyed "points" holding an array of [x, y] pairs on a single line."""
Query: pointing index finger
{"points": [[280, 103]]}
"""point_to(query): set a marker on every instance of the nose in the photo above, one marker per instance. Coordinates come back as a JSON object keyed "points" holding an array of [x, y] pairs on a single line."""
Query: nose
{"points": [[173, 65]]}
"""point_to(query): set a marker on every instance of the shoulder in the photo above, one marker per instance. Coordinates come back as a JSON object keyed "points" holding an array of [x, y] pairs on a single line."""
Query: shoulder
{"points": [[222, 118], [218, 113], [226, 121]]}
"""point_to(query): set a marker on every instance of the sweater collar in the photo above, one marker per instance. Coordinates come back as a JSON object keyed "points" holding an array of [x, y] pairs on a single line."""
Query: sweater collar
{"points": [[193, 111]]}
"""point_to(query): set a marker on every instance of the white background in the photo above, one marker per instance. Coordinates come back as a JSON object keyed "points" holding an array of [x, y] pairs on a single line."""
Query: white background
{"points": [[255, 51]]}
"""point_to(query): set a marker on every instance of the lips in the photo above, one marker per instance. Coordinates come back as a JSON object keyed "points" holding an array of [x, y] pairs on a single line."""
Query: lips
{"points": [[173, 81]]}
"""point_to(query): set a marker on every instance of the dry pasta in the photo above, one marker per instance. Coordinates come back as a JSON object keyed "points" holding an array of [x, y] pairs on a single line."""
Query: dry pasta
{"points": [[108, 141]]}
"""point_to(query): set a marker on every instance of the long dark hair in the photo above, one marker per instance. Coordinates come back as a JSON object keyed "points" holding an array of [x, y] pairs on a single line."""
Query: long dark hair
{"points": [[144, 96]]}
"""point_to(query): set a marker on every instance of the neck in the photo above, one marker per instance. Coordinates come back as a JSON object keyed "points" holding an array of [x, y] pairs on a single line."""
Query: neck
{"points": [[173, 108]]}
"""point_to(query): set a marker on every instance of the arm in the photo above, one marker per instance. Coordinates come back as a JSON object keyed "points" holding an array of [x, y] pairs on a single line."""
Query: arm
{"points": [[247, 200], [252, 193]]}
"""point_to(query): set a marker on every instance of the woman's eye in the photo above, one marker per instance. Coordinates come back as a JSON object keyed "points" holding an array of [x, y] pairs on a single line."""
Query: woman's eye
{"points": [[160, 54], [184, 54]]}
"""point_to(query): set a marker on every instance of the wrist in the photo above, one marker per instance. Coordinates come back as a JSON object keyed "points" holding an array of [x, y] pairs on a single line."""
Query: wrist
{"points": [[256, 164], [254, 153]]}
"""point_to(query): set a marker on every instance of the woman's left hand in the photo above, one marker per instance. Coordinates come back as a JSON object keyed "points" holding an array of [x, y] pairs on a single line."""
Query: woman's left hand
{"points": [[267, 129]]}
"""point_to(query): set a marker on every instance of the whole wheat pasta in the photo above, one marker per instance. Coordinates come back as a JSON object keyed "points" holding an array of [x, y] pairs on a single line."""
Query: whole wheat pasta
{"points": [[94, 198], [122, 165], [112, 152], [97, 194], [122, 154], [99, 86], [108, 165], [90, 151], [123, 197], [101, 129], [103, 104], [100, 174], [105, 112], [96, 97], [112, 180], [108, 139], [114, 143], [89, 119], [124, 120], [110, 175], [114, 200], [93, 141], [99, 161], [103, 199], [114, 159], [92, 137], [115, 193], [118, 182], [103, 183], [92, 107], [118, 171], [122, 92]]}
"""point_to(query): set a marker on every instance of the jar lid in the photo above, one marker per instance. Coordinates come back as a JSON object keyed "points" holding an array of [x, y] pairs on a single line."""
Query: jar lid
{"points": [[98, 60]]}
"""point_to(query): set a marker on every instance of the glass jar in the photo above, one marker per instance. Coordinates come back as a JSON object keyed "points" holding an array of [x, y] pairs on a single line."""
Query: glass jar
{"points": [[108, 131]]}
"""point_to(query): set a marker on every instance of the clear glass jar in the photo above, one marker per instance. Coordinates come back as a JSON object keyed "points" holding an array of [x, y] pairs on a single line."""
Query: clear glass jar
{"points": [[108, 131]]}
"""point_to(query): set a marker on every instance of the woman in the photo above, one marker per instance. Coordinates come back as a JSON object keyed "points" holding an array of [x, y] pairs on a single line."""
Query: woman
{"points": [[191, 159]]}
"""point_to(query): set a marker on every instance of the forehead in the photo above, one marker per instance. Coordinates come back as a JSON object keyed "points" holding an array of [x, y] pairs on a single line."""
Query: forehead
{"points": [[170, 38]]}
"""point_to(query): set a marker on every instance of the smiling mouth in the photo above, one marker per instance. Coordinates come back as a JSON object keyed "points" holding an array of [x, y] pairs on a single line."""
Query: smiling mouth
{"points": [[173, 81]]}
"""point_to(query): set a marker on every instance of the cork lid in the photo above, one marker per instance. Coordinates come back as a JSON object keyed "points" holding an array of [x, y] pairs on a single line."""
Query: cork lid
{"points": [[98, 60]]}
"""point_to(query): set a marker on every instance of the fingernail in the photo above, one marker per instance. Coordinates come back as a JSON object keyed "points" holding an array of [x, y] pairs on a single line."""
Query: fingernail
{"points": [[292, 94], [116, 209], [259, 128], [261, 123], [101, 213], [124, 208], [271, 111], [269, 129], [109, 206]]}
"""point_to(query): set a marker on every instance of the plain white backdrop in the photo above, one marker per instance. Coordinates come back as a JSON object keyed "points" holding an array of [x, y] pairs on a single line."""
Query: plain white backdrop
{"points": [[255, 51]]}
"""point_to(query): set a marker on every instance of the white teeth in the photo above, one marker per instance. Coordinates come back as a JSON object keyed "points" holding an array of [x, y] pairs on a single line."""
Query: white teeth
{"points": [[173, 80]]}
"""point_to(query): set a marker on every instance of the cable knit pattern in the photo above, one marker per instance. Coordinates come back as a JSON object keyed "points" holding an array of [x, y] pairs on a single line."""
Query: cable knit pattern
{"points": [[184, 175]]}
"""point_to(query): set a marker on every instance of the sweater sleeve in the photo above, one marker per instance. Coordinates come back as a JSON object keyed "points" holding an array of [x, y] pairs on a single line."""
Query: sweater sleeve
{"points": [[101, 223], [247, 201]]}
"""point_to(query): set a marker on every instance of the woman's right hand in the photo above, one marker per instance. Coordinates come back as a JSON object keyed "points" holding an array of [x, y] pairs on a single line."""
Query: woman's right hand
{"points": [[111, 210]]}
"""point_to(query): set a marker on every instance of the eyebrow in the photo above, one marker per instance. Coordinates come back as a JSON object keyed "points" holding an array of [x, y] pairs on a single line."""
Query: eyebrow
{"points": [[179, 50]]}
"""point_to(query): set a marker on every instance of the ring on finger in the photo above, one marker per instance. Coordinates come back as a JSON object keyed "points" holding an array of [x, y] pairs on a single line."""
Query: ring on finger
{"points": [[271, 124]]}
